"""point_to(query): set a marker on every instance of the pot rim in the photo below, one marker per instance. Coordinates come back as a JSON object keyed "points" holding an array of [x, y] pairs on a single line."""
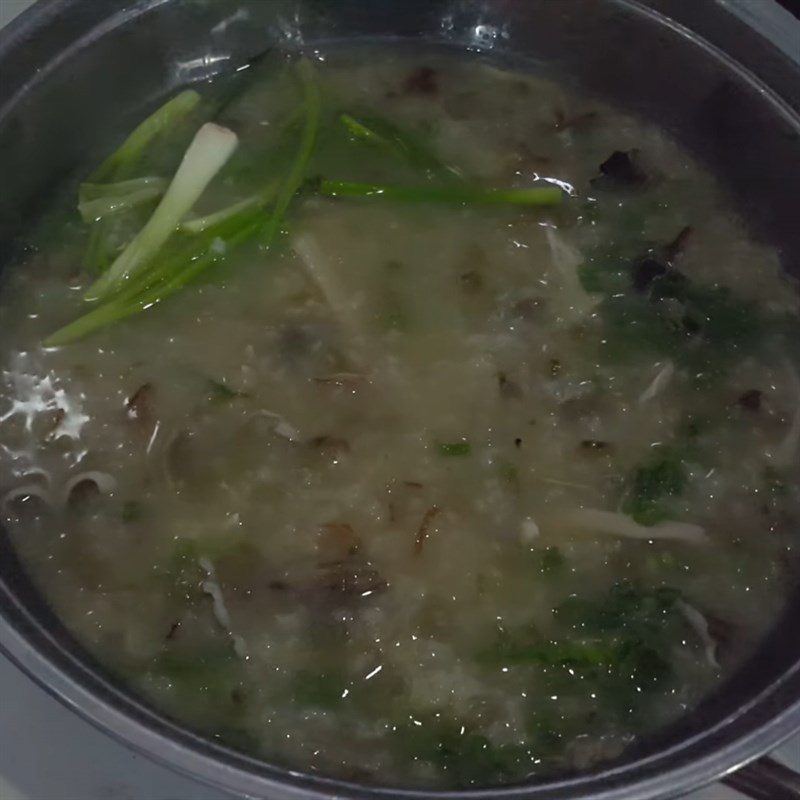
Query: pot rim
{"points": [[77, 685]]}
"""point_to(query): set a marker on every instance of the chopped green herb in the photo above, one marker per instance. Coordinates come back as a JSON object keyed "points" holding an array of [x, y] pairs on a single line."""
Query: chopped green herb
{"points": [[653, 484], [132, 511], [551, 560], [626, 608], [220, 392], [460, 751], [509, 474], [205, 679], [319, 689], [454, 449]]}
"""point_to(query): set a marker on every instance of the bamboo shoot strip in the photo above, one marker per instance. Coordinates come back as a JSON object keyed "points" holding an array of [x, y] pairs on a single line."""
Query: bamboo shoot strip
{"points": [[207, 154], [461, 195]]}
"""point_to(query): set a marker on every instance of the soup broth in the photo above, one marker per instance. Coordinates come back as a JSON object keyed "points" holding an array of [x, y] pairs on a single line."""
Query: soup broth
{"points": [[425, 485]]}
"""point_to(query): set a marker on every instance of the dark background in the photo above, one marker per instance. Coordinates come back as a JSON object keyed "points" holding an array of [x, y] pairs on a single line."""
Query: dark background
{"points": [[792, 5]]}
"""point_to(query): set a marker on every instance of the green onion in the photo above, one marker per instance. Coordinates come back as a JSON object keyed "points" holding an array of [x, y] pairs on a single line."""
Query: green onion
{"points": [[87, 192], [211, 147], [454, 448], [99, 253], [123, 162], [382, 133], [360, 131], [297, 172], [200, 224], [164, 278], [461, 195], [98, 201], [156, 124]]}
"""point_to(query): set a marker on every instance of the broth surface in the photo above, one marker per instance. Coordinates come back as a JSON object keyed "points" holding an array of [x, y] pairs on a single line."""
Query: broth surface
{"points": [[425, 495]]}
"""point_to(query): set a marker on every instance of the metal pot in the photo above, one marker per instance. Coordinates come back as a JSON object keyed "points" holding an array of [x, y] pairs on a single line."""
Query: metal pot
{"points": [[723, 76]]}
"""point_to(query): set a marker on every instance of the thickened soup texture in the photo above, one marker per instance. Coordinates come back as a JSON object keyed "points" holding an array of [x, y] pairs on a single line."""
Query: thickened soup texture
{"points": [[403, 419]]}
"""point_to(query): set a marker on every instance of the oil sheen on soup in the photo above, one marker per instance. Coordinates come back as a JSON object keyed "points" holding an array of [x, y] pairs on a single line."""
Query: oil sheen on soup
{"points": [[446, 436]]}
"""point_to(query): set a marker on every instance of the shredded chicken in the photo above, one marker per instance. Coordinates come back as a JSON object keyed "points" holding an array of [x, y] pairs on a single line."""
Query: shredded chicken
{"points": [[658, 384], [424, 529], [700, 626], [615, 523], [212, 588], [529, 530], [320, 270], [281, 426], [578, 302]]}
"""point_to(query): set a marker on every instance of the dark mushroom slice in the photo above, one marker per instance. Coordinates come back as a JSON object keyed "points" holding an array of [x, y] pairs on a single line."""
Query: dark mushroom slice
{"points": [[751, 400], [140, 406], [621, 170], [424, 529], [423, 81]]}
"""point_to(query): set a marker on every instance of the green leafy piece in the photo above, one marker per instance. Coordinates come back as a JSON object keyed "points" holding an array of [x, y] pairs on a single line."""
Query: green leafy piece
{"points": [[603, 279], [525, 646], [383, 134], [457, 194], [319, 689], [626, 608], [637, 626], [663, 477], [700, 327], [220, 392], [509, 474], [132, 511], [131, 150], [454, 448], [297, 172], [206, 680], [181, 571], [196, 664], [665, 560], [551, 560], [211, 147], [460, 751]]}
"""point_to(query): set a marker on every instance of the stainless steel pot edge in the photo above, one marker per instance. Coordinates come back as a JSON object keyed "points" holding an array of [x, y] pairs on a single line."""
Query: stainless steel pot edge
{"points": [[772, 21], [184, 756]]}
